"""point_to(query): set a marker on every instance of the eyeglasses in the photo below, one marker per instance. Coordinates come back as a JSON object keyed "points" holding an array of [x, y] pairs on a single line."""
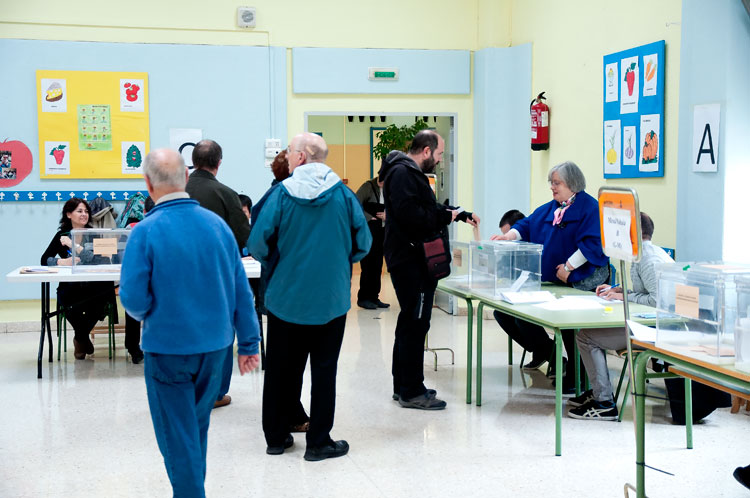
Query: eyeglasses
{"points": [[555, 183], [289, 150]]}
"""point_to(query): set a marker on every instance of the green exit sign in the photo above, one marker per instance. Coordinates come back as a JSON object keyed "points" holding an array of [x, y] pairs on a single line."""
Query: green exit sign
{"points": [[383, 74]]}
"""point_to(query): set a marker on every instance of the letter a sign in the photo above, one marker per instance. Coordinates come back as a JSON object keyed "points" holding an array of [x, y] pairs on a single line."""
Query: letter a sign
{"points": [[705, 151]]}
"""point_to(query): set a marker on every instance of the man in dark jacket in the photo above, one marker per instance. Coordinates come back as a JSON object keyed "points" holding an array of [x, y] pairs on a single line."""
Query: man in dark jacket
{"points": [[413, 215], [370, 196], [222, 200]]}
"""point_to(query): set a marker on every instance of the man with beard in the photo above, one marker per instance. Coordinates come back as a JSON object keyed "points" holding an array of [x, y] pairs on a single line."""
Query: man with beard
{"points": [[413, 215]]}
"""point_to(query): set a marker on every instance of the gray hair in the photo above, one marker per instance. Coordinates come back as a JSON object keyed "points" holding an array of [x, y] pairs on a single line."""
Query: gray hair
{"points": [[165, 167], [571, 174]]}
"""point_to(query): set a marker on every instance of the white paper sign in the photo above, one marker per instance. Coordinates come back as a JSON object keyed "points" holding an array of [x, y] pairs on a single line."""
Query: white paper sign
{"points": [[705, 151], [649, 144], [133, 154], [629, 145], [616, 228], [629, 82], [183, 140], [57, 158], [650, 63], [131, 95], [611, 82], [612, 150], [54, 94]]}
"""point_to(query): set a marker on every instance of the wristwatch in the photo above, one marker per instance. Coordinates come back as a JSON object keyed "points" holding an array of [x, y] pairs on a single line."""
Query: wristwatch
{"points": [[567, 268]]}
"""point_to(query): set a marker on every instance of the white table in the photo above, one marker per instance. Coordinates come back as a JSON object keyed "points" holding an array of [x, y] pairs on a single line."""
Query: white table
{"points": [[65, 274]]}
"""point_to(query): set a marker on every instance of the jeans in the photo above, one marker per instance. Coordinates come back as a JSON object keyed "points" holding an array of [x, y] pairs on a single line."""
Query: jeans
{"points": [[181, 393], [226, 372], [415, 291]]}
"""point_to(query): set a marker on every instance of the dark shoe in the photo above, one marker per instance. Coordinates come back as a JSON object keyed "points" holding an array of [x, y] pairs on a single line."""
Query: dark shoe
{"points": [[334, 449], [595, 410], [224, 401], [582, 399], [136, 357], [368, 305], [551, 371], [423, 402], [534, 363], [742, 474], [381, 304], [78, 352], [567, 389], [278, 450], [430, 392], [303, 427]]}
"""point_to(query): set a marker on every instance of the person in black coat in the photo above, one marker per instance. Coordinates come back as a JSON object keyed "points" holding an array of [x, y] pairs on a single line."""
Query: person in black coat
{"points": [[84, 303], [370, 195]]}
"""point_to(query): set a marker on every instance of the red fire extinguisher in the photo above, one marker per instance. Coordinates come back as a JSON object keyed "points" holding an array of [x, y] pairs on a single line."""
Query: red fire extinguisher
{"points": [[539, 123]]}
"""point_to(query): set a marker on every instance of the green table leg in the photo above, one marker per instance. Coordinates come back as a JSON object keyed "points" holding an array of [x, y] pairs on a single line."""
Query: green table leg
{"points": [[689, 412], [558, 392], [640, 422], [577, 359], [480, 311], [469, 346], [510, 351]]}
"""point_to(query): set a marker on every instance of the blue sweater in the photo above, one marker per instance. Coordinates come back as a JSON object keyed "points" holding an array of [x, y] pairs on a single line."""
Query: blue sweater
{"points": [[182, 275], [579, 229], [318, 227]]}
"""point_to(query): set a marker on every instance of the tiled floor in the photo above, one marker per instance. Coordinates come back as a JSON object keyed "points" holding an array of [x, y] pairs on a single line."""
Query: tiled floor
{"points": [[84, 430]]}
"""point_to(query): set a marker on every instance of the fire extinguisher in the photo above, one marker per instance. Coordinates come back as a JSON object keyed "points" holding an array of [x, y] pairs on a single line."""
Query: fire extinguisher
{"points": [[539, 123]]}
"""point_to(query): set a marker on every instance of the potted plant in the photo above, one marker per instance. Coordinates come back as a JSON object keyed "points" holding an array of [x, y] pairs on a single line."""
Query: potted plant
{"points": [[396, 138]]}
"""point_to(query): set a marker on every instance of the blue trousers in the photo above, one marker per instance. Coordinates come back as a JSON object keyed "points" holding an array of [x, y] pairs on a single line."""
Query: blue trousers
{"points": [[226, 373], [181, 393]]}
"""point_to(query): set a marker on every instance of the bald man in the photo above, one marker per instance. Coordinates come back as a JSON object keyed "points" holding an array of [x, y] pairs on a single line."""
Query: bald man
{"points": [[317, 226], [185, 258]]}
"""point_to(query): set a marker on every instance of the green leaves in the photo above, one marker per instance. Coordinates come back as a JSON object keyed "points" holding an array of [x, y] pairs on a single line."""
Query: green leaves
{"points": [[397, 138]]}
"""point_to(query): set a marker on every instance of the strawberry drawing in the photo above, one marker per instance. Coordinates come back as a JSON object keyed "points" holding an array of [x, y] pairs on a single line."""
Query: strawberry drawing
{"points": [[131, 91], [58, 153], [630, 78]]}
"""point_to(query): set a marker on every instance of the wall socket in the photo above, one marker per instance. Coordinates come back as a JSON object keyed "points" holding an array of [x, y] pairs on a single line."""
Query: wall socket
{"points": [[273, 143]]}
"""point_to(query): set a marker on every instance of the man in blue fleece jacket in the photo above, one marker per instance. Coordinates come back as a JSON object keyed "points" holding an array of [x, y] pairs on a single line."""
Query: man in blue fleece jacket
{"points": [[182, 275], [318, 228]]}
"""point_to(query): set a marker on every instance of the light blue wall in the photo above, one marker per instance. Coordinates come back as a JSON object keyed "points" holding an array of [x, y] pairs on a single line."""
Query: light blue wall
{"points": [[714, 62], [344, 70], [228, 92], [502, 154]]}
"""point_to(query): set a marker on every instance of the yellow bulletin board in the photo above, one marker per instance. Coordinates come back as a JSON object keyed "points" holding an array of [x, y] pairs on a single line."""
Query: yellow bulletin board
{"points": [[92, 124]]}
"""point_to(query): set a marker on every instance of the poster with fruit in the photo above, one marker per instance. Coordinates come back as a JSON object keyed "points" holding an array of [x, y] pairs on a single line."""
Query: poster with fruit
{"points": [[94, 127], [133, 154], [612, 85], [650, 62], [100, 114], [55, 95], [649, 145], [57, 158], [131, 95], [629, 144], [629, 85], [15, 162], [612, 151]]}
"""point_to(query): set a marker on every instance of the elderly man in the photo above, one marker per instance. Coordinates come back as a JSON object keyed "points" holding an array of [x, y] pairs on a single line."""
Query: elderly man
{"points": [[182, 275], [316, 226], [413, 215], [222, 200]]}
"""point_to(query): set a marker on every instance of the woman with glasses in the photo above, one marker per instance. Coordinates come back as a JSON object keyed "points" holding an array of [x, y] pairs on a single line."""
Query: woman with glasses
{"points": [[568, 228]]}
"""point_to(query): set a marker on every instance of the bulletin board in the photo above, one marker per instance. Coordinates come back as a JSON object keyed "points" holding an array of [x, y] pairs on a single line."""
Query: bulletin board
{"points": [[92, 124], [634, 112]]}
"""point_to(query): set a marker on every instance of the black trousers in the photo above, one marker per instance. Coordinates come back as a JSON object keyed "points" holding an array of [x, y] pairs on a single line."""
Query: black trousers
{"points": [[534, 338], [85, 304], [415, 291], [289, 345], [132, 335], [372, 264]]}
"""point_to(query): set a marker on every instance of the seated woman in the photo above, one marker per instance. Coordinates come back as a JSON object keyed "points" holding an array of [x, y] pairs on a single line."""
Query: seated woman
{"points": [[85, 303], [568, 228]]}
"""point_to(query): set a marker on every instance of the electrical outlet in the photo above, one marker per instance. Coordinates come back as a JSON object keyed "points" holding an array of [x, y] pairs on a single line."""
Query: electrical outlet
{"points": [[272, 152], [273, 142]]}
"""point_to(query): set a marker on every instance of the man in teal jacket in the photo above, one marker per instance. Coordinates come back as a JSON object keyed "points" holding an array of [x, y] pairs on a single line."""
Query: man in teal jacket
{"points": [[317, 226]]}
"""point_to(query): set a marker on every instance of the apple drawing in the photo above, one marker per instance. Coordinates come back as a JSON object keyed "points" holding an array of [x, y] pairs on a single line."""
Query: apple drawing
{"points": [[20, 157], [58, 153]]}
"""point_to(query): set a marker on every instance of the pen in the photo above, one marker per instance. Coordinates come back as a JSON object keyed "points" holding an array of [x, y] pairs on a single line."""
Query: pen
{"points": [[609, 288]]}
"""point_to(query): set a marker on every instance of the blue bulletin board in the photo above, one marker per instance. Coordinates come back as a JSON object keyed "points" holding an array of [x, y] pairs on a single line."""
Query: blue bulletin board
{"points": [[634, 112]]}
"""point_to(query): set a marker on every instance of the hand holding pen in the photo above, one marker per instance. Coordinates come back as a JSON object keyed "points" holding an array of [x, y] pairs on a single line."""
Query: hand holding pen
{"points": [[610, 292]]}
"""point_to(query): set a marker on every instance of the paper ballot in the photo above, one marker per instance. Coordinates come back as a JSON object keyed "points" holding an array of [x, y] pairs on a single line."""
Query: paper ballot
{"points": [[642, 332]]}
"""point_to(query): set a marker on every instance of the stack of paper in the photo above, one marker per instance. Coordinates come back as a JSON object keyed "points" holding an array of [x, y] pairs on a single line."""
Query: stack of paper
{"points": [[527, 297]]}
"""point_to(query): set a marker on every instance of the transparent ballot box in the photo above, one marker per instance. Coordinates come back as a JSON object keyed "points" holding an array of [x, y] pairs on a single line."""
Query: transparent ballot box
{"points": [[742, 326], [501, 266], [697, 308], [460, 265], [98, 249]]}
